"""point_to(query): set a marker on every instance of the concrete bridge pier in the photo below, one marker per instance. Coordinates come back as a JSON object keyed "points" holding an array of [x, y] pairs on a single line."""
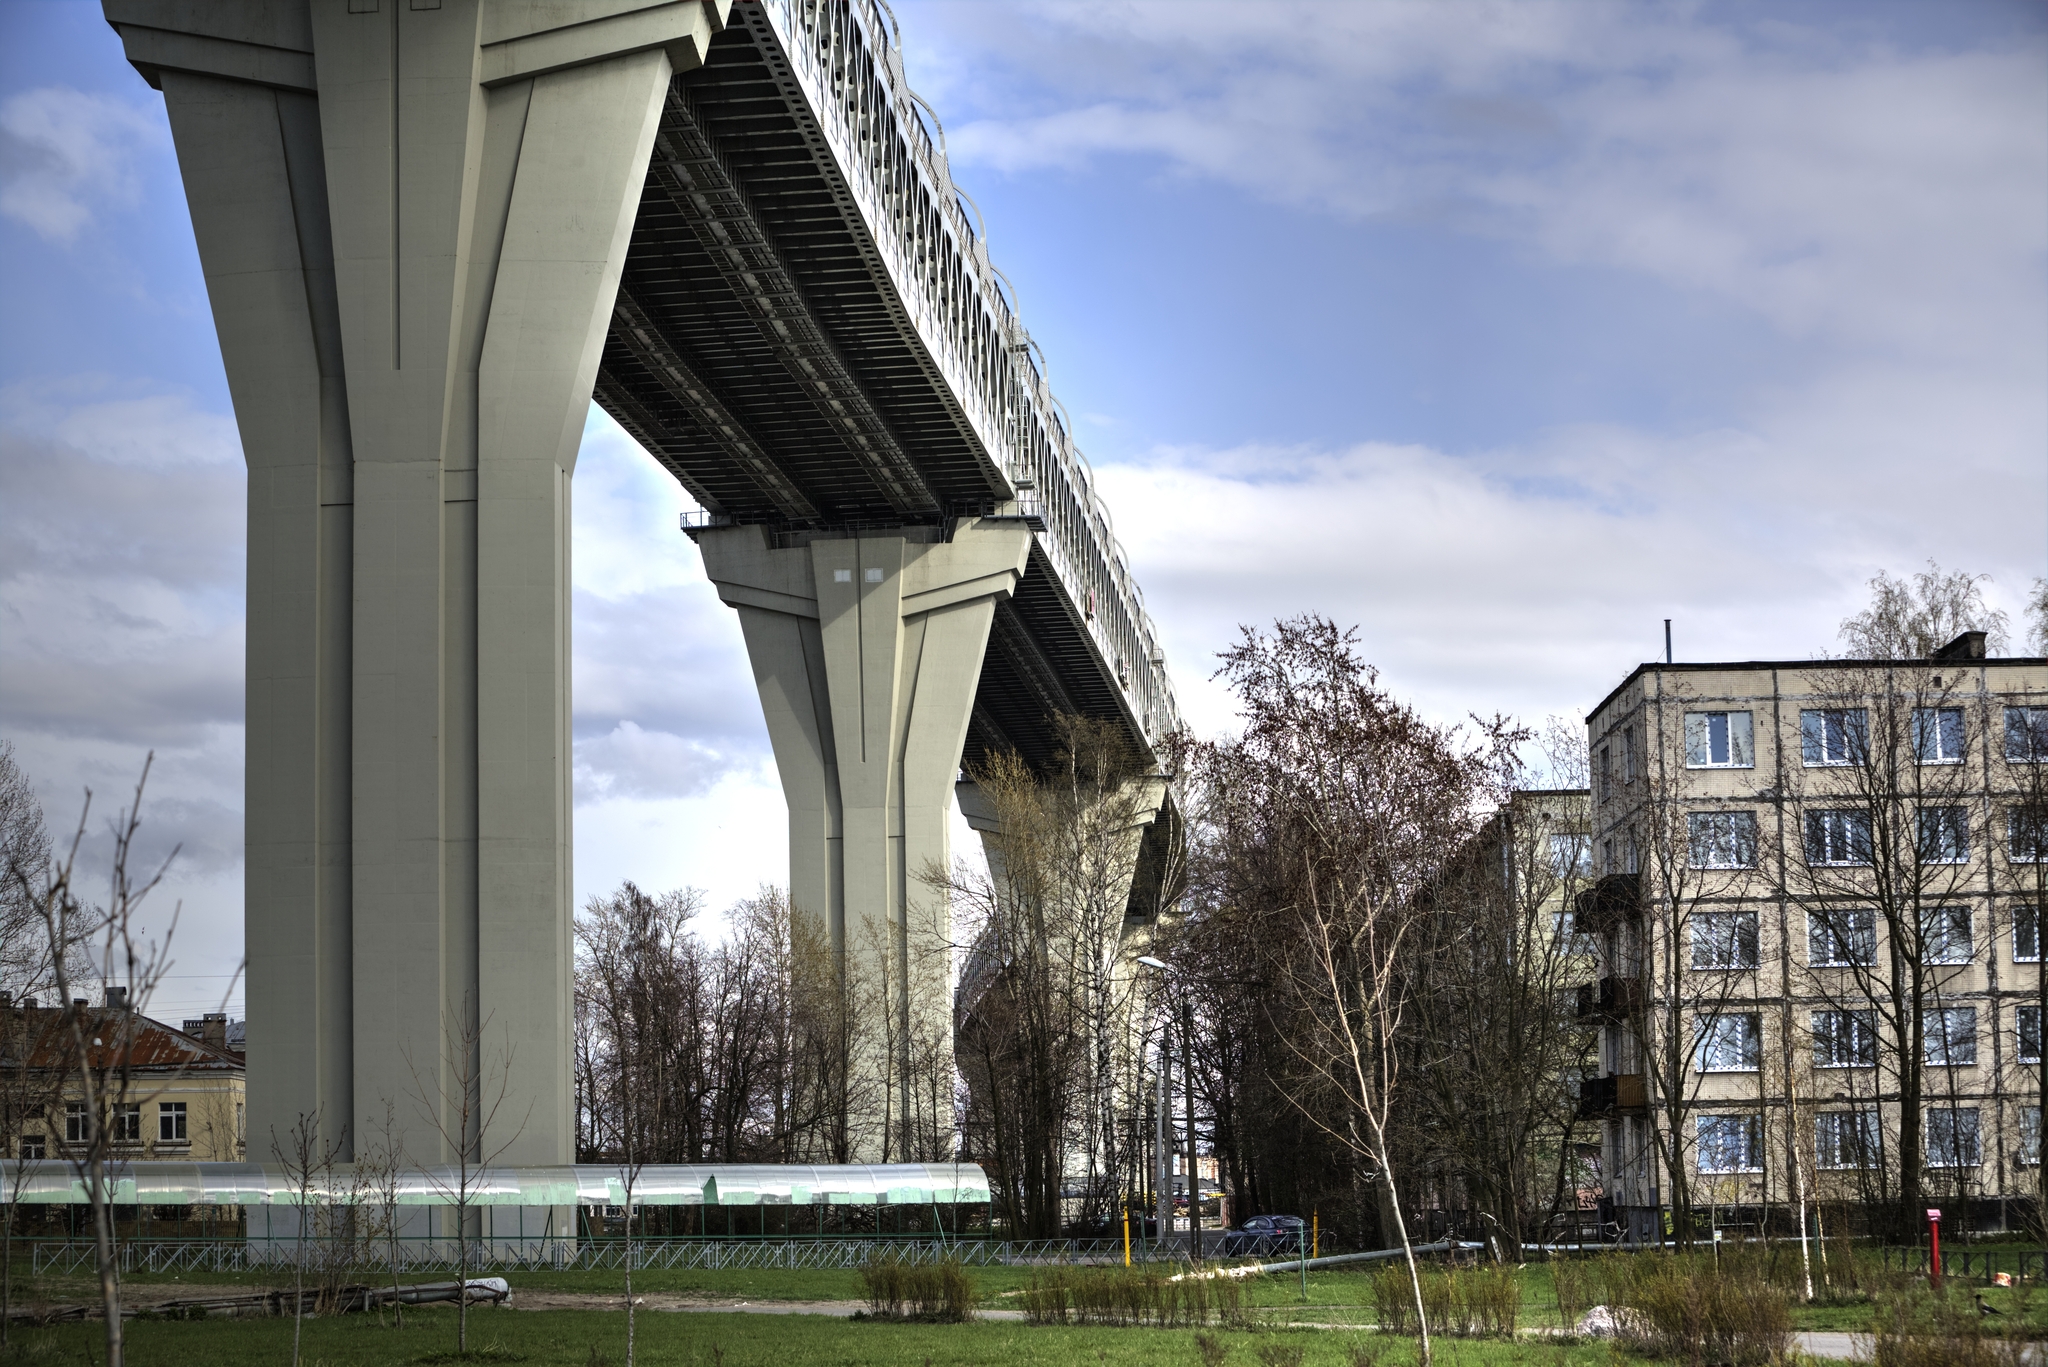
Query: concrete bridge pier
{"points": [[412, 216], [867, 651]]}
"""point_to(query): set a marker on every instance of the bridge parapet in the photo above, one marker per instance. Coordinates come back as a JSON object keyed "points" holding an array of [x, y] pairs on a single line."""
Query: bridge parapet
{"points": [[842, 56]]}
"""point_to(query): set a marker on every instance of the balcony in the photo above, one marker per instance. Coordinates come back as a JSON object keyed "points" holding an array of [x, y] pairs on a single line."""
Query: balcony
{"points": [[1610, 999], [1616, 898], [1617, 1092]]}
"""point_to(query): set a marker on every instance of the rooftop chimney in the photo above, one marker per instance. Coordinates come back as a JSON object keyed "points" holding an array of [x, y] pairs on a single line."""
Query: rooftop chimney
{"points": [[117, 998], [214, 1029], [1968, 646]]}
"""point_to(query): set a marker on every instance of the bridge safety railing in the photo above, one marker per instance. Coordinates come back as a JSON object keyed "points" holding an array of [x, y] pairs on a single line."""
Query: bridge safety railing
{"points": [[843, 55], [434, 1255]]}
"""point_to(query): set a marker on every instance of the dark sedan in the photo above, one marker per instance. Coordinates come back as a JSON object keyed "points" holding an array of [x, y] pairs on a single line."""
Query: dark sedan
{"points": [[1264, 1236]]}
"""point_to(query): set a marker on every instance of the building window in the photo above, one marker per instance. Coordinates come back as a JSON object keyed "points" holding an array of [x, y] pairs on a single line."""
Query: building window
{"points": [[1845, 1139], [1730, 1044], [1944, 835], [1719, 740], [1841, 937], [170, 1122], [1730, 1143], [2029, 1024], [1833, 735], [1722, 840], [33, 1148], [240, 1134], [1948, 1036], [1572, 940], [1628, 754], [2030, 1136], [1938, 735], [2026, 734], [1945, 936], [1844, 1039], [2026, 933], [1838, 837], [77, 1123], [1571, 855], [1724, 939], [127, 1122], [2026, 834], [1952, 1137]]}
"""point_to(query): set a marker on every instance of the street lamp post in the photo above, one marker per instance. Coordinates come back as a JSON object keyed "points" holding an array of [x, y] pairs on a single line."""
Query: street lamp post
{"points": [[1164, 1148]]}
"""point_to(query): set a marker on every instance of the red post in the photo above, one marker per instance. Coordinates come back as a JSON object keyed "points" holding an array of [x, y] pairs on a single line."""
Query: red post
{"points": [[1934, 1228]]}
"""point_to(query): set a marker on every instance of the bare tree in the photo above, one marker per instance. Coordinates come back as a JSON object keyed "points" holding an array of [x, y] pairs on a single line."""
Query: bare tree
{"points": [[308, 1163], [459, 1094], [93, 1049], [1882, 868], [1910, 619], [1342, 805]]}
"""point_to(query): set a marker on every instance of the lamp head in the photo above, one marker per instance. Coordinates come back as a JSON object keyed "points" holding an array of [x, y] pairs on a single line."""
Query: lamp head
{"points": [[1150, 962]]}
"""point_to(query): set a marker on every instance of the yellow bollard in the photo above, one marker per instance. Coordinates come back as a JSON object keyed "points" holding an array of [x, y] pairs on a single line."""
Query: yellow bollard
{"points": [[1127, 1236], [1315, 1224]]}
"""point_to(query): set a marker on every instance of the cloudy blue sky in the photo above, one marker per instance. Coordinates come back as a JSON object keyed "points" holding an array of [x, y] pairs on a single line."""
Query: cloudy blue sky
{"points": [[1501, 330]]}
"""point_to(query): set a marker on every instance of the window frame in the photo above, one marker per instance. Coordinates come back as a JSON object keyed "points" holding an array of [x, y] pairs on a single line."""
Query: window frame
{"points": [[1940, 735], [1948, 1042], [1930, 1149], [42, 1148], [124, 1118], [2029, 1154], [2020, 1032], [170, 1116], [1956, 824], [1581, 863], [1818, 923], [1738, 741], [1711, 921], [1869, 1139], [2034, 728], [1862, 1038], [1829, 823], [1741, 836], [2032, 822], [2026, 913], [77, 1122], [1956, 915], [1751, 1132], [1853, 724], [1707, 1035]]}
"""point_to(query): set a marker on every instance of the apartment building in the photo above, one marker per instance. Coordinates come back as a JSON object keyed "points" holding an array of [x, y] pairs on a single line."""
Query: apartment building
{"points": [[1818, 911]]}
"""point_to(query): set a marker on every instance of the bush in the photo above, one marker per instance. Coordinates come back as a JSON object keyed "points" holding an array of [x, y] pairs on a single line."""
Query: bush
{"points": [[1123, 1296], [1573, 1279], [1704, 1311], [1469, 1303], [1920, 1327], [940, 1293]]}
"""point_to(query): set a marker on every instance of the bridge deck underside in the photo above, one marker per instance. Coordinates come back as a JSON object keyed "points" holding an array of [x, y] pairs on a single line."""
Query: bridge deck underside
{"points": [[754, 430]]}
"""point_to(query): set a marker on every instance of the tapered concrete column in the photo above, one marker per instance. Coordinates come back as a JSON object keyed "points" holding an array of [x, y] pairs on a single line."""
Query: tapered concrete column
{"points": [[412, 215], [867, 652]]}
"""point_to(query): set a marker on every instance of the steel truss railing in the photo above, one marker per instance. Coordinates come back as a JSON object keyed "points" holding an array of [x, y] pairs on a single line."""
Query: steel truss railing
{"points": [[841, 55], [424, 1255]]}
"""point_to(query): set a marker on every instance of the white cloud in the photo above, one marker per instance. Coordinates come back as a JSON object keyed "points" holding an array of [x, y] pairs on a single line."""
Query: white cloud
{"points": [[65, 154], [1830, 184]]}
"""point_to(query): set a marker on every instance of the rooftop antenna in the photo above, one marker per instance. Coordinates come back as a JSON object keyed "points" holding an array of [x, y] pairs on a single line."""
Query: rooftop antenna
{"points": [[1667, 640]]}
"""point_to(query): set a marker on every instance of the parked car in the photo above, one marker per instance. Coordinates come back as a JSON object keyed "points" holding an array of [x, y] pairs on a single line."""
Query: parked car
{"points": [[1264, 1236]]}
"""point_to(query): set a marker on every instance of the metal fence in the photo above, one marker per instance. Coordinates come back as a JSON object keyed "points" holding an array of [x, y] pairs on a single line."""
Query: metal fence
{"points": [[1970, 1264]]}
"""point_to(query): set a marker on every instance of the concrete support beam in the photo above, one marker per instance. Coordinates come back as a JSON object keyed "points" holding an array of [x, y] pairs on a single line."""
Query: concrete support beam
{"points": [[412, 221], [867, 652]]}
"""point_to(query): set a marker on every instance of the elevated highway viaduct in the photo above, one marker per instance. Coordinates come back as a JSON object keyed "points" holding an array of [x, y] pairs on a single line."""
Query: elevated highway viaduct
{"points": [[432, 232]]}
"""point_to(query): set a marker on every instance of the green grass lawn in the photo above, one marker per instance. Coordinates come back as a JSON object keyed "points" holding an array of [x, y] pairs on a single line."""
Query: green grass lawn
{"points": [[584, 1338]]}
